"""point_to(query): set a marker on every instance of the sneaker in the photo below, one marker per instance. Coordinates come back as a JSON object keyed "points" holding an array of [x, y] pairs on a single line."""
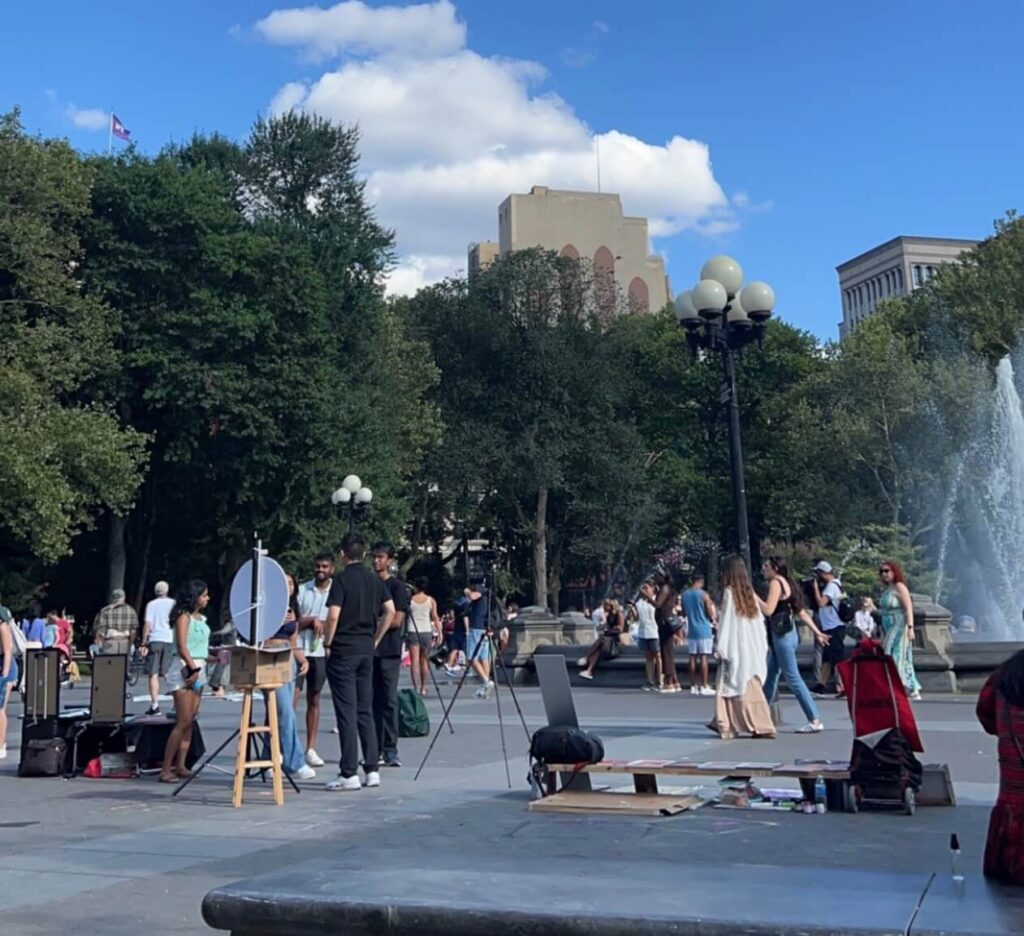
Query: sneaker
{"points": [[153, 710], [649, 687], [582, 662], [811, 728], [586, 675], [915, 696], [314, 759], [706, 691], [695, 690], [372, 779], [305, 772], [391, 759], [3, 751], [453, 671], [484, 692], [344, 783], [334, 730]]}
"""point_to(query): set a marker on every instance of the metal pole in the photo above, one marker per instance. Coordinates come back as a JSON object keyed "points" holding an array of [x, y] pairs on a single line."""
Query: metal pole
{"points": [[739, 488]]}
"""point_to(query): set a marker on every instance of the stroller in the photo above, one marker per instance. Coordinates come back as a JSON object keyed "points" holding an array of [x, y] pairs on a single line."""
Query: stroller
{"points": [[883, 769]]}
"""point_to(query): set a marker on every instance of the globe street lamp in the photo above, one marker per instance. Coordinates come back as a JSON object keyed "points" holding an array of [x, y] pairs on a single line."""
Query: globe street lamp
{"points": [[354, 499], [720, 316]]}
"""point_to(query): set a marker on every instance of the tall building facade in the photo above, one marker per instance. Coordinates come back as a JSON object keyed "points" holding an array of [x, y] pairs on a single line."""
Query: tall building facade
{"points": [[481, 255], [895, 268], [588, 225]]}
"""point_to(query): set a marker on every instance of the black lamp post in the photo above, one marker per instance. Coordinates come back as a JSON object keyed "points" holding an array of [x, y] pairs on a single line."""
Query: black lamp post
{"points": [[352, 499], [718, 316]]}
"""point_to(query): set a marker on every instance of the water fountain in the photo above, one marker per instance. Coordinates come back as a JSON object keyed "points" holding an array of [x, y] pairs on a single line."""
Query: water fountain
{"points": [[986, 555]]}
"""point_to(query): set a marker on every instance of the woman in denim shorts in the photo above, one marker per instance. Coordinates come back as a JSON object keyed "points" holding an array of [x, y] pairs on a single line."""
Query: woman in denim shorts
{"points": [[8, 679]]}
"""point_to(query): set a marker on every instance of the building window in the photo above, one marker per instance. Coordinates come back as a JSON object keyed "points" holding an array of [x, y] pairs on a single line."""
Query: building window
{"points": [[569, 251], [899, 278], [604, 279], [917, 276], [639, 296], [931, 272]]}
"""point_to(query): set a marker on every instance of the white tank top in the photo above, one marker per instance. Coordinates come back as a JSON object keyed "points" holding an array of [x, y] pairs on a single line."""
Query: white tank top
{"points": [[420, 612]]}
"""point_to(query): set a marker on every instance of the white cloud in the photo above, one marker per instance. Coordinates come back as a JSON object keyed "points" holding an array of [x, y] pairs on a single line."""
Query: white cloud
{"points": [[446, 136], [87, 118], [424, 29], [601, 26]]}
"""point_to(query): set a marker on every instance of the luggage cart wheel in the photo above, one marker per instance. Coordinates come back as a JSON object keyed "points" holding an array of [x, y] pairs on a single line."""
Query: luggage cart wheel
{"points": [[909, 801], [851, 798]]}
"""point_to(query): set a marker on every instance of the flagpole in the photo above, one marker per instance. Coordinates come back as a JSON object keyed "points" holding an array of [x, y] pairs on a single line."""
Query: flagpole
{"points": [[110, 133]]}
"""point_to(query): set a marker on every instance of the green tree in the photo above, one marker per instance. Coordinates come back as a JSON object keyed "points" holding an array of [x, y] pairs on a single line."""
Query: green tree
{"points": [[66, 456]]}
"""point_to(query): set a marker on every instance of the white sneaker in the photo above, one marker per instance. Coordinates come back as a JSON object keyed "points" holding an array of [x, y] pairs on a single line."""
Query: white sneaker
{"points": [[3, 751], [344, 783], [334, 730], [706, 690], [582, 662], [372, 779], [314, 759], [305, 772], [694, 690], [484, 692]]}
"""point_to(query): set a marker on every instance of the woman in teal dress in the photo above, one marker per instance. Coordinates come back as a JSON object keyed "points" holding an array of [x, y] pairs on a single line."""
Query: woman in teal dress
{"points": [[897, 610]]}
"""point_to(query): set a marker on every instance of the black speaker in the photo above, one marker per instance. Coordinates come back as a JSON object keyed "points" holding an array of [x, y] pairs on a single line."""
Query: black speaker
{"points": [[42, 683], [109, 672]]}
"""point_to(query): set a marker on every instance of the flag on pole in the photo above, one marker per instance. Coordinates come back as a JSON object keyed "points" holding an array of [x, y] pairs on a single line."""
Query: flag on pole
{"points": [[118, 129]]}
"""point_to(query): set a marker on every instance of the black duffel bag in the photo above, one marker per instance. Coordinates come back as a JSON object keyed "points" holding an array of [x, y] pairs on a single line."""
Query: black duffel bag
{"points": [[563, 745], [43, 757]]}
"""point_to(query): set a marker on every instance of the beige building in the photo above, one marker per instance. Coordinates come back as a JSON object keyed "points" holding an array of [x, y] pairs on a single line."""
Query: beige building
{"points": [[481, 255], [587, 225], [895, 268]]}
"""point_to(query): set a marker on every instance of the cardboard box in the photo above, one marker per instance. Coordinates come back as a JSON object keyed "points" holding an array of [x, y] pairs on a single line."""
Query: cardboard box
{"points": [[254, 667]]}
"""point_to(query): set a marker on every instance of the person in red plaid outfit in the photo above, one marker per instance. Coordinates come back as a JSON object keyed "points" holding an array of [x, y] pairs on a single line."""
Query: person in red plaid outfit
{"points": [[1001, 713]]}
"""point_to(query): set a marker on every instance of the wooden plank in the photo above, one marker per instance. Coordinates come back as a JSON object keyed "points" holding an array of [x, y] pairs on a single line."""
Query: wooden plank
{"points": [[627, 804], [720, 769]]}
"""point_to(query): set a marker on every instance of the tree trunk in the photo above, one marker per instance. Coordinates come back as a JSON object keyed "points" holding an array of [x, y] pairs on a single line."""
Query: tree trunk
{"points": [[540, 550], [117, 555]]}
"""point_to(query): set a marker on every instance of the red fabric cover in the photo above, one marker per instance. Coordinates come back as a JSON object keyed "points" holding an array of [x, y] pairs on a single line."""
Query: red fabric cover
{"points": [[870, 696]]}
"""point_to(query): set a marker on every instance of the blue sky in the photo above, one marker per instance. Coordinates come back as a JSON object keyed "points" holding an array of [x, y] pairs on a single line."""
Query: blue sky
{"points": [[829, 127]]}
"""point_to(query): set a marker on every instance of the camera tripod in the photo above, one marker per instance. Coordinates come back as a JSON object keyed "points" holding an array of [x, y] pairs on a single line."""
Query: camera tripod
{"points": [[487, 639]]}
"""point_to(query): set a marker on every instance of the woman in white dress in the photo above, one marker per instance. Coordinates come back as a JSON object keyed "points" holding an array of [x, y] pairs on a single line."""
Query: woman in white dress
{"points": [[740, 705]]}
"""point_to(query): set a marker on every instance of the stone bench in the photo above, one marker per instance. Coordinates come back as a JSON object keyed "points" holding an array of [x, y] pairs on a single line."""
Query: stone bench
{"points": [[369, 893]]}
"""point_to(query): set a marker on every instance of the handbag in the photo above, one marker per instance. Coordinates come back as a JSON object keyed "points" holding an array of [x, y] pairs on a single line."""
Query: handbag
{"points": [[43, 757], [780, 623]]}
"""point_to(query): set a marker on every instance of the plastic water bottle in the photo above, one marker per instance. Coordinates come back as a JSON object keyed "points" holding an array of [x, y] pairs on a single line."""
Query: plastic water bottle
{"points": [[820, 795], [954, 848]]}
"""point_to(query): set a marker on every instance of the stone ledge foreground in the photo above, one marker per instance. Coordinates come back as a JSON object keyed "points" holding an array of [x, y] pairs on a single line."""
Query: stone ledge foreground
{"points": [[362, 891]]}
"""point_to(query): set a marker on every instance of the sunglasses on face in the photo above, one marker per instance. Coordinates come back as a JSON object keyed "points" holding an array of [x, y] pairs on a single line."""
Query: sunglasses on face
{"points": [[885, 571]]}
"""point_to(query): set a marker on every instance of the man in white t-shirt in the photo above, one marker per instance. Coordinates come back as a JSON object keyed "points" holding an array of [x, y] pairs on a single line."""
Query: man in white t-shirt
{"points": [[312, 600], [157, 641], [828, 592]]}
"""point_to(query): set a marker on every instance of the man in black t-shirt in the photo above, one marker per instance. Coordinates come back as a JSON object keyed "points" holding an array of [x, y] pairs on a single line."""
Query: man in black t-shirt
{"points": [[387, 660], [359, 613]]}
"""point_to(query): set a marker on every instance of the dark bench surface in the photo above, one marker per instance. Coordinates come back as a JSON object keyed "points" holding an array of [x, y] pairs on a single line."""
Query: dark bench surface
{"points": [[363, 891]]}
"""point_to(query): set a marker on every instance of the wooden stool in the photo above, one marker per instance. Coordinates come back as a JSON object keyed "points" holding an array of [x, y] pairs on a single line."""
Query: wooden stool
{"points": [[247, 730]]}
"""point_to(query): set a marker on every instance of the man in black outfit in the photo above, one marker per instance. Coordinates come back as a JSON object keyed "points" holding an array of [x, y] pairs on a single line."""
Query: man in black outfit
{"points": [[387, 660], [359, 613]]}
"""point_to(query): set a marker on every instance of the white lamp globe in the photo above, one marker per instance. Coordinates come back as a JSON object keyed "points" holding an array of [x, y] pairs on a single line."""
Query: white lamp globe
{"points": [[709, 298], [685, 311], [724, 270], [341, 496], [759, 300], [737, 315], [352, 484], [364, 496]]}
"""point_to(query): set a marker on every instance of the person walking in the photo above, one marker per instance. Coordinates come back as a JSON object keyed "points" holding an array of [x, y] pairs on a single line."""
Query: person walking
{"points": [[828, 593], [8, 673], [478, 642], [700, 617], [157, 645], [33, 625], [186, 675], [780, 606], [116, 626], [387, 659], [665, 599], [312, 603], [293, 756], [359, 613], [897, 609], [1000, 710], [423, 636], [740, 705], [647, 637]]}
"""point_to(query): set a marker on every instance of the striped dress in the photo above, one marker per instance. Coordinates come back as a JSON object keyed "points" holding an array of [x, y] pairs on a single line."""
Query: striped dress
{"points": [[1004, 847]]}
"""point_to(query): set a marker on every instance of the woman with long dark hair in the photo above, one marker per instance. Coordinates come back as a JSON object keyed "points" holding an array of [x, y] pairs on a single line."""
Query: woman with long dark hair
{"points": [[607, 645], [740, 705], [424, 634], [187, 674], [1001, 713], [897, 610], [781, 606], [665, 600]]}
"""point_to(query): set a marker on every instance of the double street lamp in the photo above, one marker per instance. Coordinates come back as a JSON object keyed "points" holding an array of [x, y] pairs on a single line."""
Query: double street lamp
{"points": [[721, 315], [354, 499]]}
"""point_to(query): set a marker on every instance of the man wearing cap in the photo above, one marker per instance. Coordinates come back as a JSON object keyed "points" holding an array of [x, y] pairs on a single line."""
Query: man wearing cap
{"points": [[157, 641], [827, 595], [116, 626]]}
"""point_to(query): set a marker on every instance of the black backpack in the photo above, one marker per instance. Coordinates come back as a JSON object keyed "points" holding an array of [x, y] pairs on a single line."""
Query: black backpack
{"points": [[560, 744], [845, 609]]}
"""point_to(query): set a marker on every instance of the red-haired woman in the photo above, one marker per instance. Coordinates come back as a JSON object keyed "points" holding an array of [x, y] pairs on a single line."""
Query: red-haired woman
{"points": [[897, 611]]}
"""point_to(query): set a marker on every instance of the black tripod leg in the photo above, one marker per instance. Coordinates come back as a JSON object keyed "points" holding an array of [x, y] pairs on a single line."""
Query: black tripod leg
{"points": [[207, 760], [501, 723], [450, 706]]}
